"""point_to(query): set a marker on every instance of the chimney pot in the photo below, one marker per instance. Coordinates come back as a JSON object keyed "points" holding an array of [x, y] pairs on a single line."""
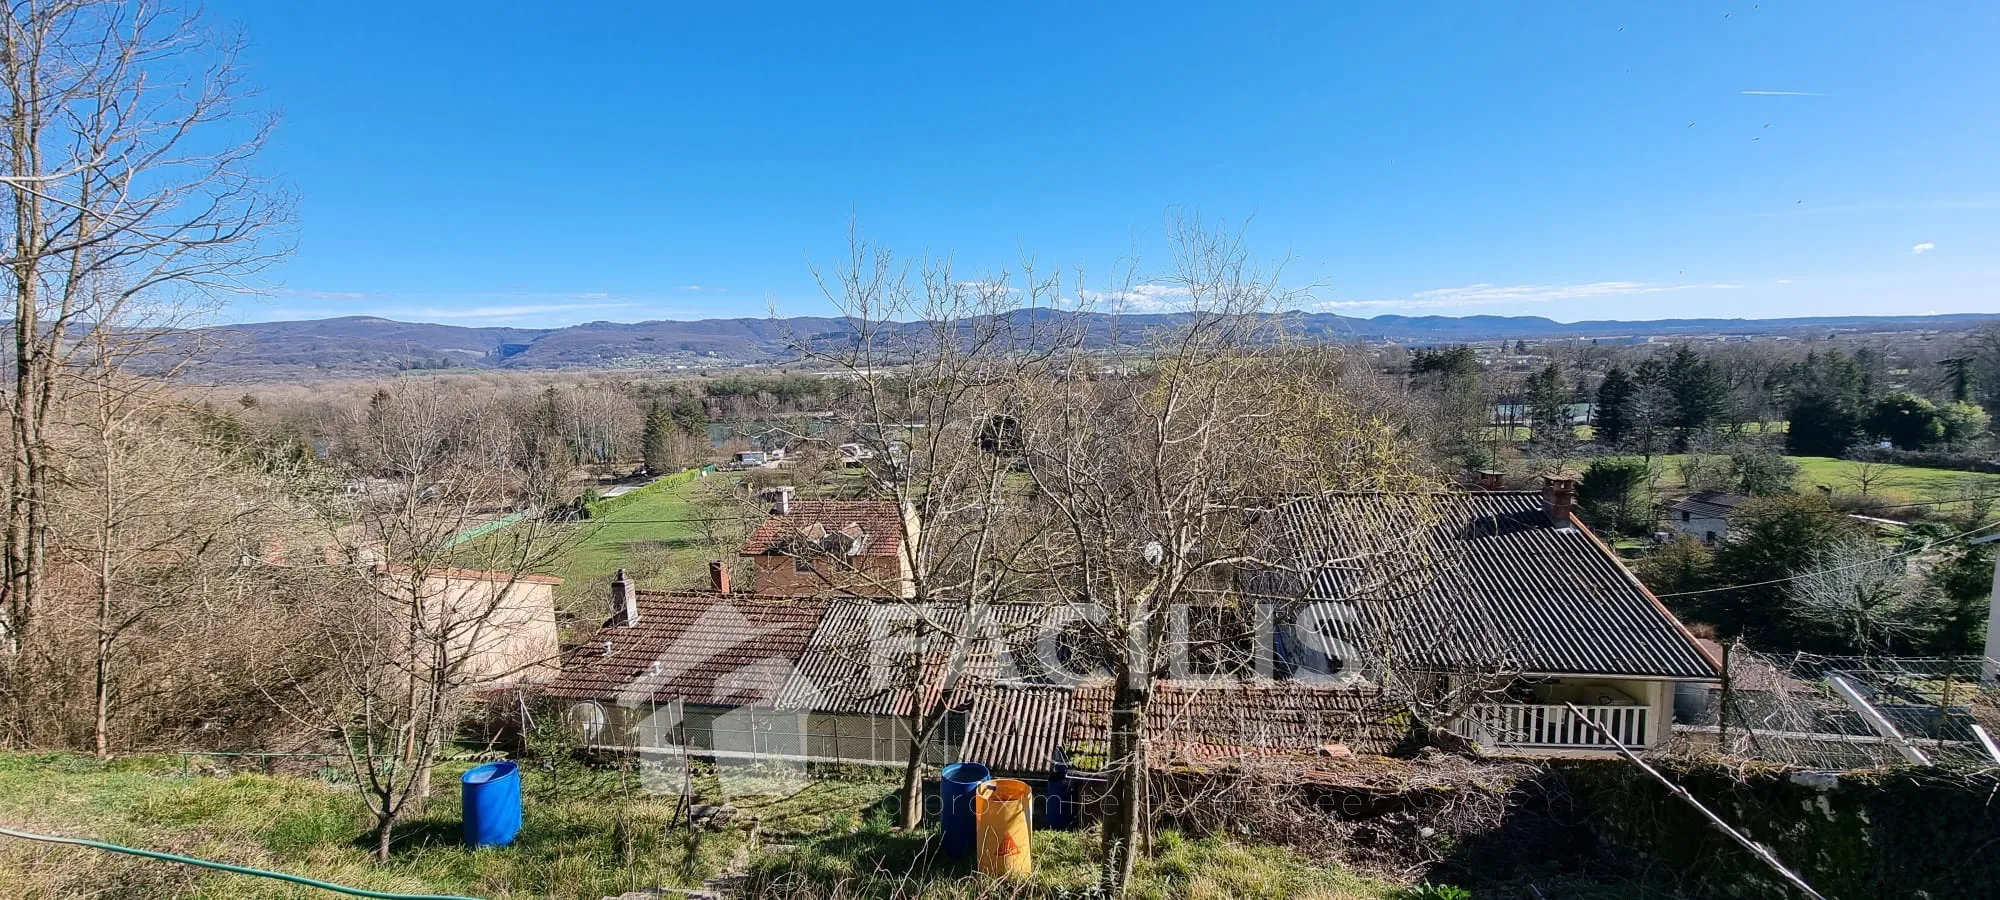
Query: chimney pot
{"points": [[718, 576], [1490, 480], [1559, 498], [624, 602], [784, 507]]}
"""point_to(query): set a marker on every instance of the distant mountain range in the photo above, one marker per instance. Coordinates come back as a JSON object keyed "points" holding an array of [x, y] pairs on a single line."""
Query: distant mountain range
{"points": [[365, 345]]}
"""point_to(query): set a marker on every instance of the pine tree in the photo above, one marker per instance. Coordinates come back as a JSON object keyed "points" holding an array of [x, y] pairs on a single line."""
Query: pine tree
{"points": [[1826, 406], [1700, 395], [1548, 408], [1614, 407], [656, 439]]}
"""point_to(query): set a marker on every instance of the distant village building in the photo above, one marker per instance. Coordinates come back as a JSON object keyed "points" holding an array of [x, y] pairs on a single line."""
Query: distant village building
{"points": [[831, 547], [1704, 515]]}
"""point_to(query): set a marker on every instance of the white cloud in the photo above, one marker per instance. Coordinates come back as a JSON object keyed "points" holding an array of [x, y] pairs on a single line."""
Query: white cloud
{"points": [[696, 287], [1920, 248], [1141, 298], [1784, 281], [1484, 294], [1783, 93]]}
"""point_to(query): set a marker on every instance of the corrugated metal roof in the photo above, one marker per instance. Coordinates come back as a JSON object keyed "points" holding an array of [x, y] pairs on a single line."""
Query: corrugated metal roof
{"points": [[1709, 504], [880, 521], [860, 655], [696, 646], [1477, 581], [1014, 727]]}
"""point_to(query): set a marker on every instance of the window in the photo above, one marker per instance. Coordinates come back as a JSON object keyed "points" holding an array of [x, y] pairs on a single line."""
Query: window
{"points": [[801, 564]]}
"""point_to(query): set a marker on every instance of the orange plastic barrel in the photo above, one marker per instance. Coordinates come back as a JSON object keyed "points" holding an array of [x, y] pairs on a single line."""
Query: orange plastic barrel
{"points": [[1004, 835]]}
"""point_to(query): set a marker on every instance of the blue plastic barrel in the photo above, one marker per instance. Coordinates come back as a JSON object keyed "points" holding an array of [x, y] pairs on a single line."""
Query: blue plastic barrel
{"points": [[1059, 813], [959, 821], [490, 803]]}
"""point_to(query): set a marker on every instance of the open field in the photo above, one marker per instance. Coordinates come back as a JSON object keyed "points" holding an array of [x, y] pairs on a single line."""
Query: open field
{"points": [[658, 520], [815, 835]]}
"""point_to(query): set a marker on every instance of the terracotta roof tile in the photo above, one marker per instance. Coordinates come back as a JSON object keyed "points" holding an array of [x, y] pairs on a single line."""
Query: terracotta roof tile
{"points": [[881, 521], [697, 646]]}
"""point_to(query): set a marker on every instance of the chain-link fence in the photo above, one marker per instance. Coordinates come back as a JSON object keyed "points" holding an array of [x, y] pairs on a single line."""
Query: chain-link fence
{"points": [[1830, 712]]}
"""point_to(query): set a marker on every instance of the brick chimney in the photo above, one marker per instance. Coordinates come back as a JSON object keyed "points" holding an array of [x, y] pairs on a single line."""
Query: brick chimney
{"points": [[718, 576], [1559, 498], [784, 507], [624, 601], [1490, 480]]}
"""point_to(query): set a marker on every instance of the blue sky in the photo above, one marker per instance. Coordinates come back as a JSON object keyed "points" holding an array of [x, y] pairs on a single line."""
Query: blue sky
{"points": [[541, 164]]}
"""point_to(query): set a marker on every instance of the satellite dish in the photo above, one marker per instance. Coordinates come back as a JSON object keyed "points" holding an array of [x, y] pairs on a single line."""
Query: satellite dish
{"points": [[588, 719]]}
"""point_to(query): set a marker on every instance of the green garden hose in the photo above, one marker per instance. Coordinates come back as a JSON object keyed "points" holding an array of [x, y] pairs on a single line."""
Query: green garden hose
{"points": [[240, 870]]}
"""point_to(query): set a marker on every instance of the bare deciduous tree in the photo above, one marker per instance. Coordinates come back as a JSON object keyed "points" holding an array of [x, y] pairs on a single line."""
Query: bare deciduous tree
{"points": [[417, 616], [128, 195], [1151, 486], [931, 367]]}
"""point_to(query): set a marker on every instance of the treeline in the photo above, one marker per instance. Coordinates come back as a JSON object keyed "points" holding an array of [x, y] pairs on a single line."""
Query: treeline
{"points": [[1825, 398], [1798, 575]]}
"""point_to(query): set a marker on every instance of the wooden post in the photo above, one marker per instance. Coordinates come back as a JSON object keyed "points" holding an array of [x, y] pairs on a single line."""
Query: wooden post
{"points": [[1722, 715], [1756, 849]]}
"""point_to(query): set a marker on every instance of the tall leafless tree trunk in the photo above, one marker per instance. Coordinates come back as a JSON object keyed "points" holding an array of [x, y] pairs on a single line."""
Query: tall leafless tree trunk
{"points": [[930, 365], [1151, 482], [128, 193]]}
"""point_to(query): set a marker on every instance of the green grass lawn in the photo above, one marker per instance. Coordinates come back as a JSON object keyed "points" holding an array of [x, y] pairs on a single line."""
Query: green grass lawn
{"points": [[1916, 482], [657, 520], [1889, 482], [656, 535], [822, 837]]}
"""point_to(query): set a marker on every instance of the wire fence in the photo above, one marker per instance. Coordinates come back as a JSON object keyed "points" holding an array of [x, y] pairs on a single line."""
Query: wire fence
{"points": [[1830, 712]]}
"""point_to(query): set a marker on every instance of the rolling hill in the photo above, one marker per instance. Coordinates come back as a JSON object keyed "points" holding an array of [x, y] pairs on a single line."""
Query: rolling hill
{"points": [[366, 345]]}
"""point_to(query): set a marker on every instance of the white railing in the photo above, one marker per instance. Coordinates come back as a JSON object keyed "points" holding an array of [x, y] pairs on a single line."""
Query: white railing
{"points": [[1553, 726]]}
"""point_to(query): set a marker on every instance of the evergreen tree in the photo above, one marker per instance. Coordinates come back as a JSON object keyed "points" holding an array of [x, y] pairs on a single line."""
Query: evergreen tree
{"points": [[1614, 406], [1906, 420], [1827, 396], [656, 439], [1548, 409], [1700, 394], [1616, 494], [1958, 378], [1770, 541]]}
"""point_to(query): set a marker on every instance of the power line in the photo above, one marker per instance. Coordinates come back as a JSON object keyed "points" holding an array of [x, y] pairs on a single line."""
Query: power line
{"points": [[226, 867], [1880, 559]]}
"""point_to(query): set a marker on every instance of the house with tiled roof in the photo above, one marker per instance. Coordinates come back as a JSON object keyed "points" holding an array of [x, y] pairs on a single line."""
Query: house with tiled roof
{"points": [[831, 548], [1704, 515], [1504, 591]]}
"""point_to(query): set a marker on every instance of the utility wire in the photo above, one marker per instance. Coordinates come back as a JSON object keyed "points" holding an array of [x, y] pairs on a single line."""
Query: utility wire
{"points": [[1880, 559], [226, 867]]}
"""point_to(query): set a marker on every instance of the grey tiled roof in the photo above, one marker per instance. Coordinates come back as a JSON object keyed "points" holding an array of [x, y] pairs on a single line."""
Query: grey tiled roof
{"points": [[1709, 504], [1475, 581], [1014, 727]]}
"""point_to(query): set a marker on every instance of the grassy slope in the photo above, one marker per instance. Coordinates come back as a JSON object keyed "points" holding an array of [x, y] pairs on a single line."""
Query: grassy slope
{"points": [[299, 826], [566, 850]]}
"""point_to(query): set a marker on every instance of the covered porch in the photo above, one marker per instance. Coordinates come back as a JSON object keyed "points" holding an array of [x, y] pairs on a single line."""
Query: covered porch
{"points": [[1533, 716]]}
